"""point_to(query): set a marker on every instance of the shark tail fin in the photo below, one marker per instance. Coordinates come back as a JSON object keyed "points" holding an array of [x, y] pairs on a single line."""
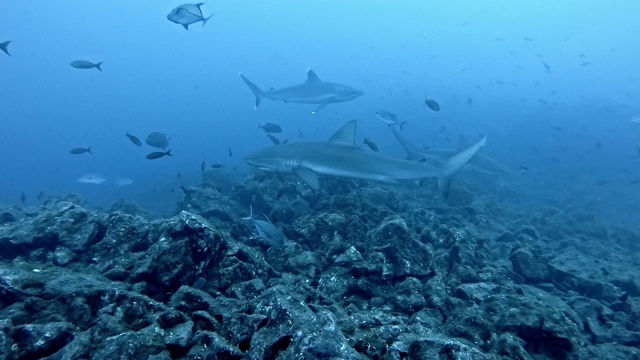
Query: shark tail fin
{"points": [[254, 88], [98, 65], [454, 164], [250, 217], [5, 47]]}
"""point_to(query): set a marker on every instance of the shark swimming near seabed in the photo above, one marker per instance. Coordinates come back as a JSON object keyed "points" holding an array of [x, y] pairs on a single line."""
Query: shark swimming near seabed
{"points": [[340, 156], [312, 91], [479, 163]]}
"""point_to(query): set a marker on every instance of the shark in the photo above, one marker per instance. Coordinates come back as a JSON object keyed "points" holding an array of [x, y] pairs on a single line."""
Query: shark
{"points": [[312, 91], [341, 157], [479, 163]]}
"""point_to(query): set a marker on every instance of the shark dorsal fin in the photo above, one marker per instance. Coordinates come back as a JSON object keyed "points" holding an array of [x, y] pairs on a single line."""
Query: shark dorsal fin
{"points": [[312, 77], [346, 135]]}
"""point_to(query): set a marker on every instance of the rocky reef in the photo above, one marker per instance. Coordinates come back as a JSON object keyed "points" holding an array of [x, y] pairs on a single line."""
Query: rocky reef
{"points": [[368, 271]]}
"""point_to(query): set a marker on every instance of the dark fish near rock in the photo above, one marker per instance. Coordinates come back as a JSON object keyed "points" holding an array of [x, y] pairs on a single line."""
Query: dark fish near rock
{"points": [[134, 139], [271, 128], [79, 150], [187, 14], [202, 165], [158, 140], [5, 47], [371, 144], [84, 64], [230, 152], [431, 104], [217, 166], [268, 232], [23, 197], [158, 155]]}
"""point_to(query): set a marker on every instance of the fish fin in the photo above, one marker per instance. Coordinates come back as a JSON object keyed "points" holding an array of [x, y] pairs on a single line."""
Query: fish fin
{"points": [[320, 107], [89, 150], [312, 77], [185, 26], [309, 176], [204, 19], [254, 88], [250, 217], [98, 65], [412, 152], [168, 153], [454, 164], [5, 47], [346, 135]]}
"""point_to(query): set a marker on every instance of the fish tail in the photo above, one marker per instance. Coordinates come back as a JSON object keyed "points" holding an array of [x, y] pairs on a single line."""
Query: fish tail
{"points": [[89, 150], [454, 164], [204, 20], [254, 88], [98, 65], [168, 153]]}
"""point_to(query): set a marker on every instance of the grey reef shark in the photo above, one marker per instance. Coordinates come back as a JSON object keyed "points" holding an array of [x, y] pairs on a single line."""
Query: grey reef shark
{"points": [[340, 156], [312, 91]]}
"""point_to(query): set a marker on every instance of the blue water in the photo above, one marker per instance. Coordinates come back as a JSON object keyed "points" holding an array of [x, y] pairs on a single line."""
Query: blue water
{"points": [[568, 124]]}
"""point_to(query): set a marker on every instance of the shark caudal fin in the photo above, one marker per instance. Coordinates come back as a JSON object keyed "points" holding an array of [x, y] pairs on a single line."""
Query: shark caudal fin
{"points": [[454, 164], [254, 88]]}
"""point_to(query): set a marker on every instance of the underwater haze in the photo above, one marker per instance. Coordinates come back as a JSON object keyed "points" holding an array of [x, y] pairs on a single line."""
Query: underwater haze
{"points": [[554, 85]]}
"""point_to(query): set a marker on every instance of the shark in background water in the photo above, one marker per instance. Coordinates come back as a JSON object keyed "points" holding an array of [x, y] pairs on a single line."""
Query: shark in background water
{"points": [[340, 156], [312, 91]]}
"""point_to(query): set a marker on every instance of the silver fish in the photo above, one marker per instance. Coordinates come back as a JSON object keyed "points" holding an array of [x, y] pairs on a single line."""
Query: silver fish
{"points": [[268, 232], [187, 14]]}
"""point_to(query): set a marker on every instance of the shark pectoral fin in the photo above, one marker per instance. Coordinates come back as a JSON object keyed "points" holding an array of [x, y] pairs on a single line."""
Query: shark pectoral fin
{"points": [[320, 107], [309, 176]]}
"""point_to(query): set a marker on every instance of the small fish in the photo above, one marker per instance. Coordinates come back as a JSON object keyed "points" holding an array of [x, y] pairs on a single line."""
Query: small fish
{"points": [[598, 145], [268, 232], [523, 170], [5, 47], [528, 38], [389, 118], [134, 139], [603, 182], [202, 165], [371, 144], [586, 63], [84, 64], [230, 153], [300, 134], [271, 128], [635, 182], [79, 150], [546, 66], [273, 139], [92, 179], [469, 100], [187, 14], [158, 155], [431, 104], [23, 197], [217, 166]]}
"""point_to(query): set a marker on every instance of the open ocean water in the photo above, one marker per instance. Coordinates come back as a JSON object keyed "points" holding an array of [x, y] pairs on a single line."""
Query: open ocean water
{"points": [[136, 108]]}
